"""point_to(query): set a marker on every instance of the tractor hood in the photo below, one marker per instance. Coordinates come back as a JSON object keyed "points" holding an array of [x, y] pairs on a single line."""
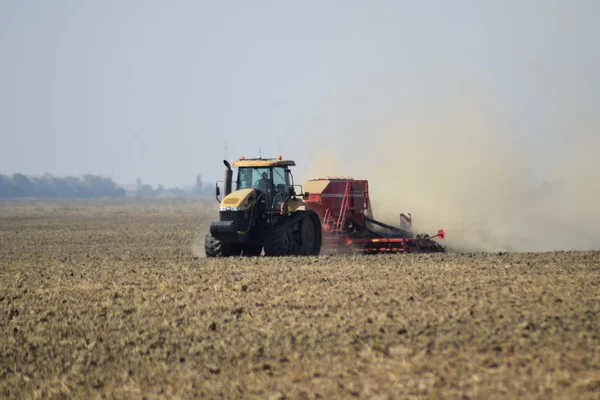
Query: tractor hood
{"points": [[239, 200]]}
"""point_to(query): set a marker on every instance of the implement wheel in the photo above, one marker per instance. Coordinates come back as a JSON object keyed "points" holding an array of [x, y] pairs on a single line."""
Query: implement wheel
{"points": [[310, 236]]}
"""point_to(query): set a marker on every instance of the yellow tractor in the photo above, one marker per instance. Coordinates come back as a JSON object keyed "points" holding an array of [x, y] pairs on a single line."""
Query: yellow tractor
{"points": [[263, 212]]}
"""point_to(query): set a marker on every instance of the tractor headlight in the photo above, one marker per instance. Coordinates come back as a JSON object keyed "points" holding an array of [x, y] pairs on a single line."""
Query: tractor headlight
{"points": [[238, 208]]}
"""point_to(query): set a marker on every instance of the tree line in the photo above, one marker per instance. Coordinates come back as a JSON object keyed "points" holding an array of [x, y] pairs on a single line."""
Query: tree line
{"points": [[199, 189], [48, 186], [88, 186]]}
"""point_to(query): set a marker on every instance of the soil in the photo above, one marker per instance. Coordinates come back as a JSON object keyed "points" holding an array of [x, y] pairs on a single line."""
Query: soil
{"points": [[105, 299]]}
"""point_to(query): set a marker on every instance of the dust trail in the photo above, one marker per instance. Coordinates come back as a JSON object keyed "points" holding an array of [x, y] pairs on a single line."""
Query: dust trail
{"points": [[208, 211], [498, 144], [458, 168], [198, 247], [461, 173]]}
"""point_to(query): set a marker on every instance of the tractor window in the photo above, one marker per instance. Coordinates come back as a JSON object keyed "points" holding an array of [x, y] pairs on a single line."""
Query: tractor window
{"points": [[257, 178], [279, 180]]}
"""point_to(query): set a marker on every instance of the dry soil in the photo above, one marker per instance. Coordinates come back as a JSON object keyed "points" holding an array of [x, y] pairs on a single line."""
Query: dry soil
{"points": [[105, 299]]}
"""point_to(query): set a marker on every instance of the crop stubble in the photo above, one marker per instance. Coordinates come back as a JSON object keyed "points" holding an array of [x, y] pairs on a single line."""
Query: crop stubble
{"points": [[106, 299]]}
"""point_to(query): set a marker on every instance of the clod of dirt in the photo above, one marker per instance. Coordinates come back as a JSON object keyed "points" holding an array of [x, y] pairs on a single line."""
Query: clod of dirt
{"points": [[238, 311]]}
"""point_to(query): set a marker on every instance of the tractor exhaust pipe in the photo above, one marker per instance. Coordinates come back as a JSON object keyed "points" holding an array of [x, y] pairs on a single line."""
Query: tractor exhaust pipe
{"points": [[228, 177]]}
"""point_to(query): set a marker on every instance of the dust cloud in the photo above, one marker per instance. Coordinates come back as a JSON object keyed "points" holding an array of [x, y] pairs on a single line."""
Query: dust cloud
{"points": [[459, 168], [198, 247], [497, 144]]}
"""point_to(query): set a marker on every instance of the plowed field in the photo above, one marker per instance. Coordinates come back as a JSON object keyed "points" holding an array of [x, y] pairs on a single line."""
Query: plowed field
{"points": [[109, 300]]}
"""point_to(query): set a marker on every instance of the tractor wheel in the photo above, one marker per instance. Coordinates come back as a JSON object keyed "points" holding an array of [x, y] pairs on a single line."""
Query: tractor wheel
{"points": [[280, 244], [309, 236], [250, 250], [214, 248]]}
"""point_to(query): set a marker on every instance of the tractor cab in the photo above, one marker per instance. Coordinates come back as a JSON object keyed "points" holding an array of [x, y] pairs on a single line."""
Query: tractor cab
{"points": [[271, 178], [272, 183]]}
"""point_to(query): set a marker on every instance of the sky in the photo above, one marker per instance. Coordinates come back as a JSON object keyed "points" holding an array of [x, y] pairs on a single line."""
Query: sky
{"points": [[164, 90]]}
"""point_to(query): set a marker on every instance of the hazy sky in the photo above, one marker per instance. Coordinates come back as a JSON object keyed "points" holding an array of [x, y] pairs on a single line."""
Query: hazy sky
{"points": [[153, 89]]}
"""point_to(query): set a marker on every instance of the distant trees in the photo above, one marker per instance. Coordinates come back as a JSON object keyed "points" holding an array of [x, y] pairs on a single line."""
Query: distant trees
{"points": [[90, 186], [199, 185], [48, 186], [202, 188], [146, 191]]}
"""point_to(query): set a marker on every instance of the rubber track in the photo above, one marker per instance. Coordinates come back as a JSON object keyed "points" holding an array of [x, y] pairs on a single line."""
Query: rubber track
{"points": [[295, 218]]}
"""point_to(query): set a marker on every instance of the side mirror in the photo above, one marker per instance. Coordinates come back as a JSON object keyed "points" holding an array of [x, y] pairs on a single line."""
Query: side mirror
{"points": [[293, 190], [217, 192]]}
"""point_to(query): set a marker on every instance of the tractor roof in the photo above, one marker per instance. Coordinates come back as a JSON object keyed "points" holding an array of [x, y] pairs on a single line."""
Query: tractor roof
{"points": [[263, 162]]}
